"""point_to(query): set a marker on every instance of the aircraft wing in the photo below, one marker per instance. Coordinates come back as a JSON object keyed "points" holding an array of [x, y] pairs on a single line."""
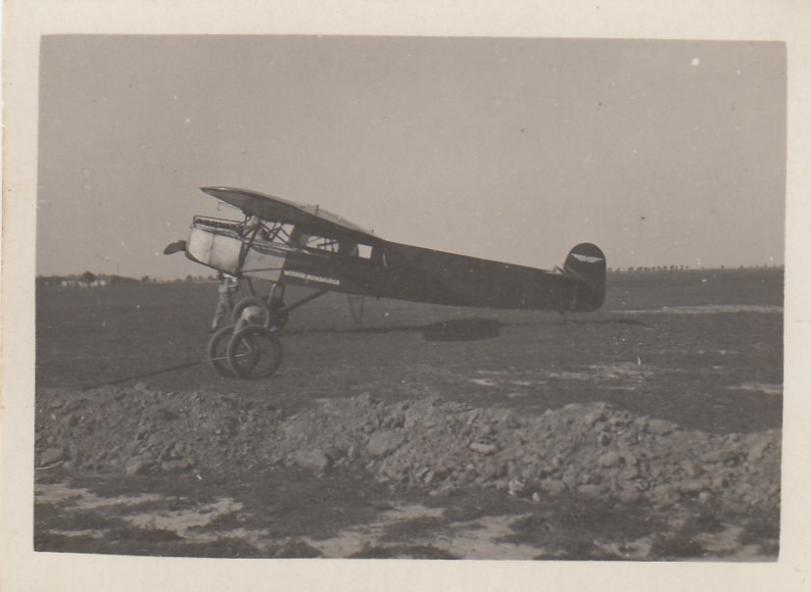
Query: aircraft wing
{"points": [[313, 219]]}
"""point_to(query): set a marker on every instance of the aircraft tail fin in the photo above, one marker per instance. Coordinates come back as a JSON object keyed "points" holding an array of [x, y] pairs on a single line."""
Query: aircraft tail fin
{"points": [[586, 263]]}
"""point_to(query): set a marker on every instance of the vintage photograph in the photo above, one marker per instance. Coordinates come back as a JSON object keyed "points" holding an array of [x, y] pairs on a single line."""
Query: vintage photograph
{"points": [[399, 297]]}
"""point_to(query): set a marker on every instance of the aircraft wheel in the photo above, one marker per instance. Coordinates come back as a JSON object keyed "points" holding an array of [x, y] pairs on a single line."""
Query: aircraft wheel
{"points": [[262, 318], [217, 352], [254, 353]]}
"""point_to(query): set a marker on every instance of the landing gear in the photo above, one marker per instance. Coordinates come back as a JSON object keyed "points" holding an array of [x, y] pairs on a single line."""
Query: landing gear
{"points": [[254, 353], [277, 311], [250, 348], [270, 313], [217, 351], [259, 309], [278, 315]]}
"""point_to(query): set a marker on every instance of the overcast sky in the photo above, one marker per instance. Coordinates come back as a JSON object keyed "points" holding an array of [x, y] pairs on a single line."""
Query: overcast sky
{"points": [[510, 149]]}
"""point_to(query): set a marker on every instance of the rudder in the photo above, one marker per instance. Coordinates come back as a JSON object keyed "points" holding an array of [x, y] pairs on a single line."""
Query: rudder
{"points": [[586, 263]]}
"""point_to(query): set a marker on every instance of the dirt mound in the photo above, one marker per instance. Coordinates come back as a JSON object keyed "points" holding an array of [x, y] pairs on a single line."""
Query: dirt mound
{"points": [[594, 450]]}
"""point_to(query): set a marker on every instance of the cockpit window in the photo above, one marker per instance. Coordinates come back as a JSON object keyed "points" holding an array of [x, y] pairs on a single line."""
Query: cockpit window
{"points": [[321, 243], [299, 238]]}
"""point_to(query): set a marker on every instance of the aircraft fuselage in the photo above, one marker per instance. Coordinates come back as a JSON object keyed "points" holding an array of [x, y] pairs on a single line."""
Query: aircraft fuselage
{"points": [[393, 270]]}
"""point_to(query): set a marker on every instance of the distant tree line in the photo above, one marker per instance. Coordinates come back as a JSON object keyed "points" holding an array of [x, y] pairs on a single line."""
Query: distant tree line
{"points": [[678, 268], [91, 280], [88, 279]]}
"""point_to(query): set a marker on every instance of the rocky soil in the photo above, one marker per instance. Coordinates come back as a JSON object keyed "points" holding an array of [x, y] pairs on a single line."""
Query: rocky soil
{"points": [[425, 444]]}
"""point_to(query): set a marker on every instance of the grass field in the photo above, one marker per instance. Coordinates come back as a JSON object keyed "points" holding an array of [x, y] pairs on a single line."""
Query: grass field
{"points": [[709, 368]]}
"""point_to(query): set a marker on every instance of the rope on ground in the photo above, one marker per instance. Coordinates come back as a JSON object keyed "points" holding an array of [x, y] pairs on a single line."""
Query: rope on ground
{"points": [[153, 373]]}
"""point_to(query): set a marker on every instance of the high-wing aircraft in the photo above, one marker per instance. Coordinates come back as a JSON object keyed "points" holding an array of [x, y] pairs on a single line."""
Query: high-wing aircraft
{"points": [[287, 243]]}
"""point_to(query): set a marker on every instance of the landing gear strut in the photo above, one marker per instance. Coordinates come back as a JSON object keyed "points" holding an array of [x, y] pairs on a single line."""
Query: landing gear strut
{"points": [[250, 348]]}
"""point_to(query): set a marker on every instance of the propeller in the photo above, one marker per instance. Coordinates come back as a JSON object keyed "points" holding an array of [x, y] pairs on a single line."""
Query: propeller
{"points": [[175, 247]]}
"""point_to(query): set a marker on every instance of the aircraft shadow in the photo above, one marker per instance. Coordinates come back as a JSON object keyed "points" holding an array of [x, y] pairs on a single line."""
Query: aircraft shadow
{"points": [[470, 329], [623, 321], [467, 329]]}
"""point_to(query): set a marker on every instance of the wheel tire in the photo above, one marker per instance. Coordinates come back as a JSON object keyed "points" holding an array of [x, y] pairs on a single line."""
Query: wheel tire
{"points": [[217, 352], [254, 352], [236, 314]]}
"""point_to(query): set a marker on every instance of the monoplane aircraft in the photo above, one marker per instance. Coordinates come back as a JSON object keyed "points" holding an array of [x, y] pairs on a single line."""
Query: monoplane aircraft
{"points": [[286, 243]]}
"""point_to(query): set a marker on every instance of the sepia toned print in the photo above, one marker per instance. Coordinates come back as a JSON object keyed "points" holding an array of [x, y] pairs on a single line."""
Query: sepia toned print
{"points": [[514, 407]]}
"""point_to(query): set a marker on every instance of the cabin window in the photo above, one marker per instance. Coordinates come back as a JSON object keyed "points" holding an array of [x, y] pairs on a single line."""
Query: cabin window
{"points": [[280, 232], [322, 243], [313, 242], [343, 247]]}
